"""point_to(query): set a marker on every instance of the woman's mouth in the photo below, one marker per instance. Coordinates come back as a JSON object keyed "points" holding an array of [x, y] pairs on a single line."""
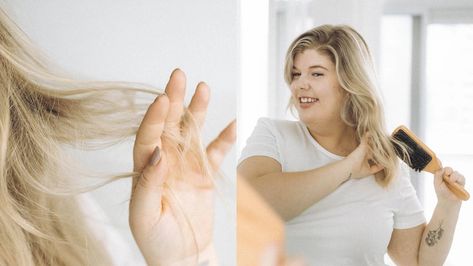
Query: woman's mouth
{"points": [[307, 101]]}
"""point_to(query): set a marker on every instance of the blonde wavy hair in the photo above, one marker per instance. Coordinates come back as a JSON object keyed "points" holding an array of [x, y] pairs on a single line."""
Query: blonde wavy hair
{"points": [[40, 219], [362, 108]]}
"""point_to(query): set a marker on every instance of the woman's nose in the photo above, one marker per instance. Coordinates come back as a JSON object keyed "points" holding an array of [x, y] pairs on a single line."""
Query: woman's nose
{"points": [[302, 84]]}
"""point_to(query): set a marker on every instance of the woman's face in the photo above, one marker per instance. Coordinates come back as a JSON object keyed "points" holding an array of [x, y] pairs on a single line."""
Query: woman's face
{"points": [[316, 93]]}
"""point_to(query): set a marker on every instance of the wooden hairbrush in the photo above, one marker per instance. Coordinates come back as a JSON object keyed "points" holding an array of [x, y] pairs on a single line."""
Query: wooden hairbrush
{"points": [[421, 158]]}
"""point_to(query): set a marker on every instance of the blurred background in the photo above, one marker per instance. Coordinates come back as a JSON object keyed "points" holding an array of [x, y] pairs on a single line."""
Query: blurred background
{"points": [[143, 41], [422, 50]]}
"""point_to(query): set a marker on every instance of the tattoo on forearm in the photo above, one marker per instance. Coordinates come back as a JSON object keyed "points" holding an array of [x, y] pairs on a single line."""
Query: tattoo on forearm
{"points": [[434, 236]]}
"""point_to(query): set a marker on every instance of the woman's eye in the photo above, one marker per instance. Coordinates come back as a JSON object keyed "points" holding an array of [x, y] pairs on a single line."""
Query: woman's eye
{"points": [[295, 75], [317, 74]]}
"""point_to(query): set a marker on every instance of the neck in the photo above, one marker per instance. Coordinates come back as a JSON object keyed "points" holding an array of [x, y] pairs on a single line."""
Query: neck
{"points": [[335, 136]]}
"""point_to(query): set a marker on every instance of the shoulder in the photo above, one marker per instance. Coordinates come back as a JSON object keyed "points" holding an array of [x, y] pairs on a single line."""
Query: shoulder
{"points": [[270, 138], [279, 126], [401, 184]]}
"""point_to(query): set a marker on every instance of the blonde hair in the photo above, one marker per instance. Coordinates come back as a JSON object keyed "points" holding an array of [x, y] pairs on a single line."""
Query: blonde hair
{"points": [[362, 108], [40, 218]]}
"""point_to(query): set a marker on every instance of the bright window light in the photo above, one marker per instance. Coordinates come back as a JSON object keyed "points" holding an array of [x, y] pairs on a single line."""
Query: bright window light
{"points": [[449, 118], [395, 69]]}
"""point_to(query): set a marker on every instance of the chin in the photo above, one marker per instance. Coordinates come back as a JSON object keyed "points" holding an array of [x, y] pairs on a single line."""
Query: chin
{"points": [[314, 117], [307, 117]]}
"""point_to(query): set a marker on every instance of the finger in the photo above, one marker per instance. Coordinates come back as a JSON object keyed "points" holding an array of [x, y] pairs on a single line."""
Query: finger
{"points": [[150, 131], [175, 90], [151, 161], [448, 171], [199, 103], [457, 177], [438, 177], [445, 175], [153, 174], [220, 146], [152, 125], [146, 196], [376, 168]]}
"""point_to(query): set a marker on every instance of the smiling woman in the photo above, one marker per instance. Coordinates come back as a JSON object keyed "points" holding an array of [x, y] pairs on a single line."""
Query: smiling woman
{"points": [[315, 88], [333, 176]]}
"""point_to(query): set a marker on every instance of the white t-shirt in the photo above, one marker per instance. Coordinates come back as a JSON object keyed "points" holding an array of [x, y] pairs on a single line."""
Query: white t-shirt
{"points": [[353, 224]]}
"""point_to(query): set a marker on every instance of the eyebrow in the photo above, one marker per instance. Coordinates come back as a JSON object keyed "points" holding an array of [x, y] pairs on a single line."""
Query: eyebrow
{"points": [[311, 67]]}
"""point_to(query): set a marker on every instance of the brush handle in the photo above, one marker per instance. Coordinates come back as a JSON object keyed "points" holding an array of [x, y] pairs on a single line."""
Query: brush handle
{"points": [[456, 189]]}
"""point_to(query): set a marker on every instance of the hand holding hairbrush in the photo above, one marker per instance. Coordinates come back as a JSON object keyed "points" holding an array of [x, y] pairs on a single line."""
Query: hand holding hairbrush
{"points": [[421, 158]]}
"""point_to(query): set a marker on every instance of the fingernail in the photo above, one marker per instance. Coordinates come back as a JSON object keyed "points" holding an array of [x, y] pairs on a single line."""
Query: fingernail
{"points": [[155, 157]]}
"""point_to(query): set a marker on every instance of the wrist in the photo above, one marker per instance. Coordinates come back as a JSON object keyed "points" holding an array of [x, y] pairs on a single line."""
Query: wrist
{"points": [[447, 205], [348, 172]]}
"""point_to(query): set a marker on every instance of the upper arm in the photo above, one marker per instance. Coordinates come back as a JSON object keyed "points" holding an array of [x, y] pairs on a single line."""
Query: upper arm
{"points": [[258, 166], [261, 155], [404, 245]]}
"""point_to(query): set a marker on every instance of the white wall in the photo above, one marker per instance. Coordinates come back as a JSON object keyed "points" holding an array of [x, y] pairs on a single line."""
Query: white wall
{"points": [[253, 93], [143, 41], [363, 15]]}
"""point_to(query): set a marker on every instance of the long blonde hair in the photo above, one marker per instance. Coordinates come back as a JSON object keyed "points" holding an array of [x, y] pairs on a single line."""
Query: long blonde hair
{"points": [[40, 218], [362, 108]]}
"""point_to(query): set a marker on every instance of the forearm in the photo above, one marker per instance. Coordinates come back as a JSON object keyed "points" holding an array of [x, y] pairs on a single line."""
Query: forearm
{"points": [[290, 193], [438, 235]]}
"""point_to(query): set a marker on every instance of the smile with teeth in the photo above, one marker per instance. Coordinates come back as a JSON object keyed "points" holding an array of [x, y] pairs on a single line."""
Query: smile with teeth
{"points": [[308, 100]]}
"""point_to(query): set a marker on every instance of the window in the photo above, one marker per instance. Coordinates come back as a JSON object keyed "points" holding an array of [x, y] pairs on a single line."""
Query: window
{"points": [[427, 83], [449, 116], [395, 69]]}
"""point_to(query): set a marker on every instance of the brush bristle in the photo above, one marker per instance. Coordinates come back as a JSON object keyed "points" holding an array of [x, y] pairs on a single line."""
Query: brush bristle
{"points": [[418, 158]]}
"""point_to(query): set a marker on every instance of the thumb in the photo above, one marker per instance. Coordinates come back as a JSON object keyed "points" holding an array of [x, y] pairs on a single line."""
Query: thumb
{"points": [[220, 146], [146, 196], [438, 175], [376, 168]]}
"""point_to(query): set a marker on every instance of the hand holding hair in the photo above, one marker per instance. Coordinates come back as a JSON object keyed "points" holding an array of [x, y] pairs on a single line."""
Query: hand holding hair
{"points": [[171, 207], [361, 160]]}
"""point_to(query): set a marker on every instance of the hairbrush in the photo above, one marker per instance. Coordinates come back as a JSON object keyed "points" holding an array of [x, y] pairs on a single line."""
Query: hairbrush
{"points": [[421, 158]]}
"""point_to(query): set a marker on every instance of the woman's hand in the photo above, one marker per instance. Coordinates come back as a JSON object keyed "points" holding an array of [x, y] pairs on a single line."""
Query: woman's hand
{"points": [[444, 195], [361, 160], [171, 207]]}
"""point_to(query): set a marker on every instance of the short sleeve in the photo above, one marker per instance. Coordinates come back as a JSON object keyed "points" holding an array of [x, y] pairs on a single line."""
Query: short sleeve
{"points": [[262, 142], [409, 212]]}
